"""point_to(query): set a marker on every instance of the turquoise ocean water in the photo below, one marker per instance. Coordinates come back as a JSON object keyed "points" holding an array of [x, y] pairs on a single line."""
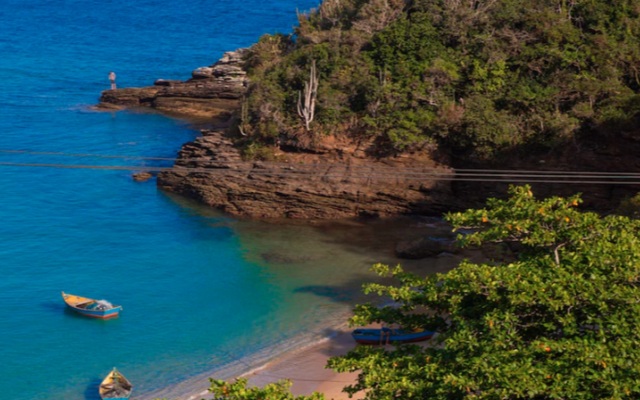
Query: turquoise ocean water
{"points": [[201, 292]]}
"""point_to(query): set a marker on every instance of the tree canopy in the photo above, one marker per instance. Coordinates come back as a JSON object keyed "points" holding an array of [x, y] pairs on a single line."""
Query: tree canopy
{"points": [[559, 322], [477, 77], [238, 390]]}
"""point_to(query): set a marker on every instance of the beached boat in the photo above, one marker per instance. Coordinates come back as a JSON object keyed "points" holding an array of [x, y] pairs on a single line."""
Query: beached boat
{"points": [[389, 336], [91, 307], [115, 386]]}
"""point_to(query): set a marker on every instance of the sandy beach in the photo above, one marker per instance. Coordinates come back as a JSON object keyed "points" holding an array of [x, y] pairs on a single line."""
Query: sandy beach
{"points": [[306, 368]]}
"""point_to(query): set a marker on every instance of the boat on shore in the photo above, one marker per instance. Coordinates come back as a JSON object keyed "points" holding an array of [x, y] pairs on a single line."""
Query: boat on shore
{"points": [[385, 335], [91, 307], [115, 386]]}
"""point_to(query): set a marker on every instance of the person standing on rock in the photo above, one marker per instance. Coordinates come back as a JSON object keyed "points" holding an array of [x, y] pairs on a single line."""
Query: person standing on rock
{"points": [[112, 79]]}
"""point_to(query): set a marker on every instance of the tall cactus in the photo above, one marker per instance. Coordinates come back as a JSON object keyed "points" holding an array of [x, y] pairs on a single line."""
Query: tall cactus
{"points": [[244, 116], [306, 110]]}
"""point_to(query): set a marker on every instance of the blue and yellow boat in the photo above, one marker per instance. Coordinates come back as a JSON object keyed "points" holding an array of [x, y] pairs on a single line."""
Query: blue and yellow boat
{"points": [[90, 307], [115, 386]]}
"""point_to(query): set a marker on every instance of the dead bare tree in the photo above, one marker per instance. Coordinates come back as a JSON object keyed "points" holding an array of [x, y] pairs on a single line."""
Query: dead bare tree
{"points": [[330, 10], [306, 110], [377, 14]]}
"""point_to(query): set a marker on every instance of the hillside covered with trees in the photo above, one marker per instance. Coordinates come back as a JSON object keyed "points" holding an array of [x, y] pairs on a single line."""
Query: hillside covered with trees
{"points": [[472, 78]]}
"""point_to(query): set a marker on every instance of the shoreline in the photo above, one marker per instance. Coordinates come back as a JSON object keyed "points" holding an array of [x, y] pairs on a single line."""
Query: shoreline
{"points": [[304, 366], [302, 358]]}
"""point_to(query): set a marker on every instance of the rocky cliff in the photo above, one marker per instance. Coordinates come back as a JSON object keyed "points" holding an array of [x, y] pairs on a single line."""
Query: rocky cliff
{"points": [[318, 186], [338, 180]]}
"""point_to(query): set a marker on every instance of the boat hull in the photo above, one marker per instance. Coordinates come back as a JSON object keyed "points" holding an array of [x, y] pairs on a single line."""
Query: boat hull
{"points": [[112, 313], [90, 307], [389, 336], [115, 387]]}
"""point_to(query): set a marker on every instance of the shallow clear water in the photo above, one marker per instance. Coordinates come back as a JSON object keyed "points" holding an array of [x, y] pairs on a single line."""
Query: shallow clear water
{"points": [[200, 291]]}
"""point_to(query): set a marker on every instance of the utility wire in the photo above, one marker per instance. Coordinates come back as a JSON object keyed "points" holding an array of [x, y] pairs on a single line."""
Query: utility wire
{"points": [[321, 164], [79, 155], [345, 172], [398, 175]]}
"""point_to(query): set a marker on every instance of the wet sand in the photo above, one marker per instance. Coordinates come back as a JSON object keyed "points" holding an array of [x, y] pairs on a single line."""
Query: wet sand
{"points": [[306, 368]]}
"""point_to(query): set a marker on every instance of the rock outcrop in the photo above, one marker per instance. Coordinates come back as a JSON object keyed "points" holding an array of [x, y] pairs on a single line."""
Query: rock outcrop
{"points": [[212, 92], [333, 183], [306, 186]]}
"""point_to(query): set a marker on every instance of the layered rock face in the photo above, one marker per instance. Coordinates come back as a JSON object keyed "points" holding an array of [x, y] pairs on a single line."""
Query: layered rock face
{"points": [[307, 186], [212, 92]]}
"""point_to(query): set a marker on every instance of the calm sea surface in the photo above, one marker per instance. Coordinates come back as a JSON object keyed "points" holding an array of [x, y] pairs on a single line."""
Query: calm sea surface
{"points": [[201, 291]]}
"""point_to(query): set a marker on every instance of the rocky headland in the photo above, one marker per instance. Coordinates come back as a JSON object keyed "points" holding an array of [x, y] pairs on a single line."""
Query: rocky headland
{"points": [[339, 178]]}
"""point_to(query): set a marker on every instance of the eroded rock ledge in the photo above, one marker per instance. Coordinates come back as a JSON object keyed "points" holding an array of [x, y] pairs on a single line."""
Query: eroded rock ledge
{"points": [[212, 92], [211, 170]]}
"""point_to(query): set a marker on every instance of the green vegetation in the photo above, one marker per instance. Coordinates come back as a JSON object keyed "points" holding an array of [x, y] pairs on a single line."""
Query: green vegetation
{"points": [[561, 321], [474, 77], [238, 390]]}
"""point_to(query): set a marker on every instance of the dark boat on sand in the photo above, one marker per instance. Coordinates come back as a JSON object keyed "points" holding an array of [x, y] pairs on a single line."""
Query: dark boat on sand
{"points": [[390, 336]]}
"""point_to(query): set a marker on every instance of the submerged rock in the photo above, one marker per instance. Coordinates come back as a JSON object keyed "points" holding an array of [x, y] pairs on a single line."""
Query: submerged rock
{"points": [[142, 176], [425, 247]]}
